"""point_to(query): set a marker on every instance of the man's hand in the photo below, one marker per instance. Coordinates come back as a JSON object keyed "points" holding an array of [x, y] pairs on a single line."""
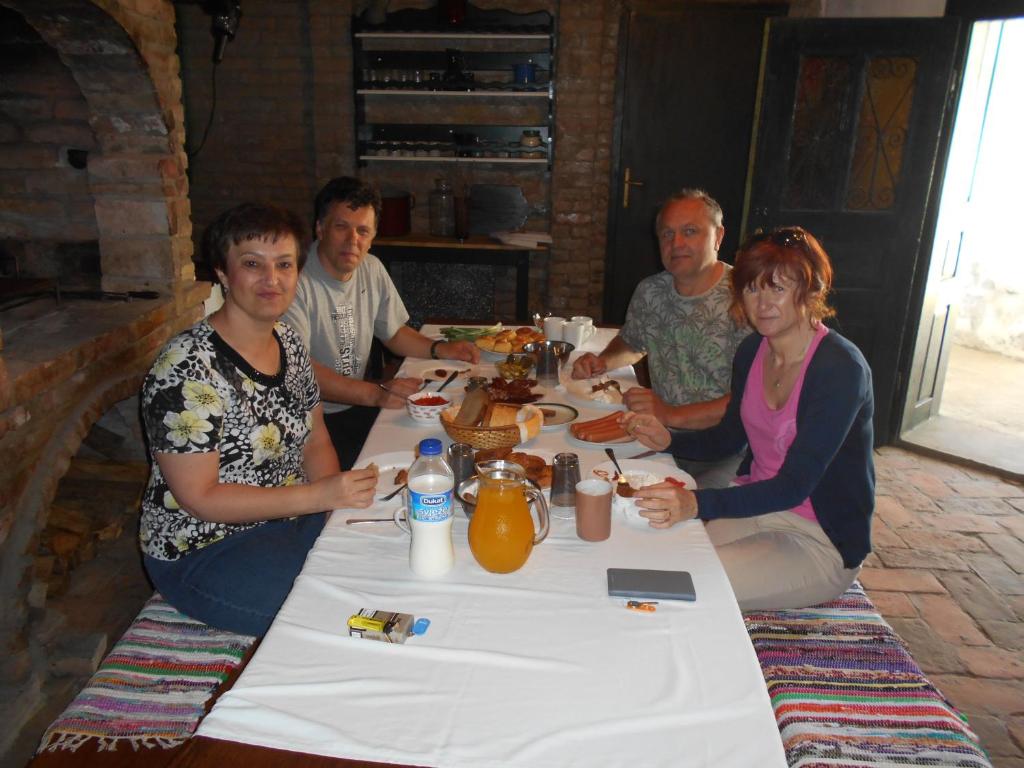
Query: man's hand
{"points": [[665, 504], [588, 365], [393, 393], [643, 400], [646, 428], [350, 490], [466, 351]]}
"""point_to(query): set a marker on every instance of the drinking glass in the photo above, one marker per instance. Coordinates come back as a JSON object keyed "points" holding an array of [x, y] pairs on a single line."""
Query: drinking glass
{"points": [[460, 459], [565, 473]]}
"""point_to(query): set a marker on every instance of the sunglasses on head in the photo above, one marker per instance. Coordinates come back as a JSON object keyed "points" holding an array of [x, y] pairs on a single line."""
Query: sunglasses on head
{"points": [[787, 237]]}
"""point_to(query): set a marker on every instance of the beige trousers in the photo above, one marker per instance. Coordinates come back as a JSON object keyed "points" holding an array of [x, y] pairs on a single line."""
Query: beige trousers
{"points": [[779, 560]]}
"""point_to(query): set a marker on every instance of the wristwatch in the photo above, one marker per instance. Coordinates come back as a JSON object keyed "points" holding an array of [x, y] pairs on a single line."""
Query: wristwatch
{"points": [[433, 349]]}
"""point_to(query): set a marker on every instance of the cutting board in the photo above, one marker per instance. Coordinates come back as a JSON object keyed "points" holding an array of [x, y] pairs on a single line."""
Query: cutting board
{"points": [[496, 207]]}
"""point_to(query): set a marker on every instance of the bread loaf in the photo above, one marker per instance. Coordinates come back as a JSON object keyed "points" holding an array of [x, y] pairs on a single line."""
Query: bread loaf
{"points": [[502, 415]]}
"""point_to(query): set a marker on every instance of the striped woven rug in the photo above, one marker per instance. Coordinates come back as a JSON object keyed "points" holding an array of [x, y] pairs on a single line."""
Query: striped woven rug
{"points": [[847, 693], [153, 687]]}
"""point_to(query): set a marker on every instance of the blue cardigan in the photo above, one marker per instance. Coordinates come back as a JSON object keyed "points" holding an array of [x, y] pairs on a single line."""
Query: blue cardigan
{"points": [[830, 458]]}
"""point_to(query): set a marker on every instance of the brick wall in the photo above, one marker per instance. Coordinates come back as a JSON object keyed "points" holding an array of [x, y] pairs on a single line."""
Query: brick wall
{"points": [[587, 62], [284, 125], [43, 200], [108, 75], [261, 144]]}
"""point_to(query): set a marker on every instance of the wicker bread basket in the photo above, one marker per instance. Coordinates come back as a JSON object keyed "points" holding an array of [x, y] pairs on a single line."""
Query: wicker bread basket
{"points": [[494, 437]]}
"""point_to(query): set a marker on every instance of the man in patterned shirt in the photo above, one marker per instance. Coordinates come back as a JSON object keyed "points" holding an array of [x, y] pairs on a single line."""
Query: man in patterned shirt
{"points": [[679, 319]]}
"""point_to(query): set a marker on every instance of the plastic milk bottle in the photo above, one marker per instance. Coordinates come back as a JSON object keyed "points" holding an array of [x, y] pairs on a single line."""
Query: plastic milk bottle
{"points": [[431, 486]]}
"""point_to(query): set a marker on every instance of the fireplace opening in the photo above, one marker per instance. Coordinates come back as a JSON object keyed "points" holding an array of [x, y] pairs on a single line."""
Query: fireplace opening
{"points": [[87, 578]]}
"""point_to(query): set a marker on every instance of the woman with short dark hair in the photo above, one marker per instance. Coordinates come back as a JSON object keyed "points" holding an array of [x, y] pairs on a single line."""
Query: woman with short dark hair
{"points": [[795, 526], [242, 465]]}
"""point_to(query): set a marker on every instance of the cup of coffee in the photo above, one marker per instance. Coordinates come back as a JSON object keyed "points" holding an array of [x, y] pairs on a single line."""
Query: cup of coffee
{"points": [[577, 331], [553, 328], [593, 509]]}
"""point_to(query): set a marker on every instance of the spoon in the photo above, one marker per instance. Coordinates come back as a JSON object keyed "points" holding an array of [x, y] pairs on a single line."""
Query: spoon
{"points": [[611, 455], [361, 520]]}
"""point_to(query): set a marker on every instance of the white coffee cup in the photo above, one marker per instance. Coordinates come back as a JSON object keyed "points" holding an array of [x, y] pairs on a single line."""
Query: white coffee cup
{"points": [[553, 328], [577, 331], [585, 319]]}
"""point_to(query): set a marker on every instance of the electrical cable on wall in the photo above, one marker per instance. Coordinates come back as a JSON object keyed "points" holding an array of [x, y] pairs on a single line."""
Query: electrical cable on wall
{"points": [[225, 16]]}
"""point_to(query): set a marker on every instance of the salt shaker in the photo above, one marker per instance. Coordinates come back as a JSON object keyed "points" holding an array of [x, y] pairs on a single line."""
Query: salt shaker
{"points": [[565, 473]]}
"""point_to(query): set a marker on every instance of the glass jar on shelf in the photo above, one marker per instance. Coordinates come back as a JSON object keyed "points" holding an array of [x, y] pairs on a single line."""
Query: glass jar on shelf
{"points": [[442, 209], [530, 138]]}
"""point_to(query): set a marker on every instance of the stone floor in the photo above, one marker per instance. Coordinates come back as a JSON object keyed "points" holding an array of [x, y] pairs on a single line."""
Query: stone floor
{"points": [[946, 573], [981, 413]]}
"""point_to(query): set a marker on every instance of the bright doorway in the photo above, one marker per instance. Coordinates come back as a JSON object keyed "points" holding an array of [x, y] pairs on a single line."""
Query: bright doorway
{"points": [[970, 356]]}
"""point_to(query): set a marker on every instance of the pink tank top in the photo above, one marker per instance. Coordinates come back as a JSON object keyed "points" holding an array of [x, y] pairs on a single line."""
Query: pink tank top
{"points": [[769, 431]]}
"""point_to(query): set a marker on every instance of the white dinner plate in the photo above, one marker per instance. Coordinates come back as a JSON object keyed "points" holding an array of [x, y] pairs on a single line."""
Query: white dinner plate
{"points": [[389, 464], [427, 369], [492, 357], [656, 468], [564, 414], [626, 509], [578, 390], [577, 443]]}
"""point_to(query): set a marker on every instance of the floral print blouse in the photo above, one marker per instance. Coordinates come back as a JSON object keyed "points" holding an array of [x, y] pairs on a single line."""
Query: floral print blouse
{"points": [[201, 396]]}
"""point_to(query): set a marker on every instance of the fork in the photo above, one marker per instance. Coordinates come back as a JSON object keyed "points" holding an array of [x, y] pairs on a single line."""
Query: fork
{"points": [[394, 493], [611, 455]]}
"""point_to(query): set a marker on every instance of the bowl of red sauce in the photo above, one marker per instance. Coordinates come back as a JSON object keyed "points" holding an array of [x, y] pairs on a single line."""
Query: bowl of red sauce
{"points": [[425, 407]]}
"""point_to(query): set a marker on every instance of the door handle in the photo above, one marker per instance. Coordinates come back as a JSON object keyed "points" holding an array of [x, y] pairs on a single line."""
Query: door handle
{"points": [[626, 184]]}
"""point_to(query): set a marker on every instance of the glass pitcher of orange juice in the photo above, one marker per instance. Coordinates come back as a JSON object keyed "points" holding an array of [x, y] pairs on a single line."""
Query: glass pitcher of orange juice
{"points": [[502, 531]]}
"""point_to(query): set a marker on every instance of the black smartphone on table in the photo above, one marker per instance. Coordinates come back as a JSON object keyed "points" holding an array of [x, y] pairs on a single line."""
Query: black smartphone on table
{"points": [[650, 584]]}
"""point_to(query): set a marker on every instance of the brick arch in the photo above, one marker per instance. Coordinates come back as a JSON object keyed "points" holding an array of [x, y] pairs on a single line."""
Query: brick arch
{"points": [[65, 443], [137, 177]]}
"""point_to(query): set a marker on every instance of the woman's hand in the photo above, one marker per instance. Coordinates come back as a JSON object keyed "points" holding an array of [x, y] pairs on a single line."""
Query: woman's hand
{"points": [[646, 428], [666, 504], [350, 490]]}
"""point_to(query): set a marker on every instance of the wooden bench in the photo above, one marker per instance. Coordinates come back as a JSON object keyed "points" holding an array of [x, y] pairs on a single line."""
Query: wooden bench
{"points": [[844, 688]]}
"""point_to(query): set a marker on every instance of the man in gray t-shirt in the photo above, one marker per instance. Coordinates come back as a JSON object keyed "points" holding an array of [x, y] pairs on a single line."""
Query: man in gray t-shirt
{"points": [[344, 299], [680, 320]]}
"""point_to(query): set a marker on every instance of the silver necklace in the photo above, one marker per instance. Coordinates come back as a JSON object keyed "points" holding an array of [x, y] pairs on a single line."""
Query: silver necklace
{"points": [[787, 367]]}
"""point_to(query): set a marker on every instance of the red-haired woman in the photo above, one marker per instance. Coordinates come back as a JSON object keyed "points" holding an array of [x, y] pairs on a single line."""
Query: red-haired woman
{"points": [[795, 527]]}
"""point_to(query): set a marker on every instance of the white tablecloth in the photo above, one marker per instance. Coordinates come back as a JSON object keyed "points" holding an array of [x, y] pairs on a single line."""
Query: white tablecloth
{"points": [[535, 668]]}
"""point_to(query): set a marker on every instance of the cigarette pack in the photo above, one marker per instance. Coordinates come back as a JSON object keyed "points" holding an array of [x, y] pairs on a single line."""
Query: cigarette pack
{"points": [[386, 626]]}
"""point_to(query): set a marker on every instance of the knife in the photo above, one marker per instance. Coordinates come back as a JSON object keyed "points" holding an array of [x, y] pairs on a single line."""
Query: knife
{"points": [[644, 455], [359, 520], [449, 380]]}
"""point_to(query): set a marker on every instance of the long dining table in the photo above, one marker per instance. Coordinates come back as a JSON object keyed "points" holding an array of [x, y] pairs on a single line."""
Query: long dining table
{"points": [[540, 667]]}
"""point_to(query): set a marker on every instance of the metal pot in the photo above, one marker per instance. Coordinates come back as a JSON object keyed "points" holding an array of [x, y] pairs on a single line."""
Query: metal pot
{"points": [[396, 213]]}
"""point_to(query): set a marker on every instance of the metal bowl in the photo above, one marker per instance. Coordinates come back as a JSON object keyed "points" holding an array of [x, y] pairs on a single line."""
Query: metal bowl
{"points": [[550, 355]]}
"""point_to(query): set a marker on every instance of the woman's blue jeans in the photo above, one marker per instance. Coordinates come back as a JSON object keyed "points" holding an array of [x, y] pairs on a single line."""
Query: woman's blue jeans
{"points": [[240, 582]]}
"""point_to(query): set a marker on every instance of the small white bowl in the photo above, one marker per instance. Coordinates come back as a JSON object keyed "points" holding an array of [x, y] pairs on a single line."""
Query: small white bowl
{"points": [[427, 414]]}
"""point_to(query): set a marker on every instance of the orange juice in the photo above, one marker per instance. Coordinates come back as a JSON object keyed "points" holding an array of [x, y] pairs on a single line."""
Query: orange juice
{"points": [[501, 533]]}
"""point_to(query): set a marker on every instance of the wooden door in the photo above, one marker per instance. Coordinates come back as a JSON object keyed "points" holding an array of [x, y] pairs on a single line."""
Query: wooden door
{"points": [[687, 91], [852, 118], [953, 233]]}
